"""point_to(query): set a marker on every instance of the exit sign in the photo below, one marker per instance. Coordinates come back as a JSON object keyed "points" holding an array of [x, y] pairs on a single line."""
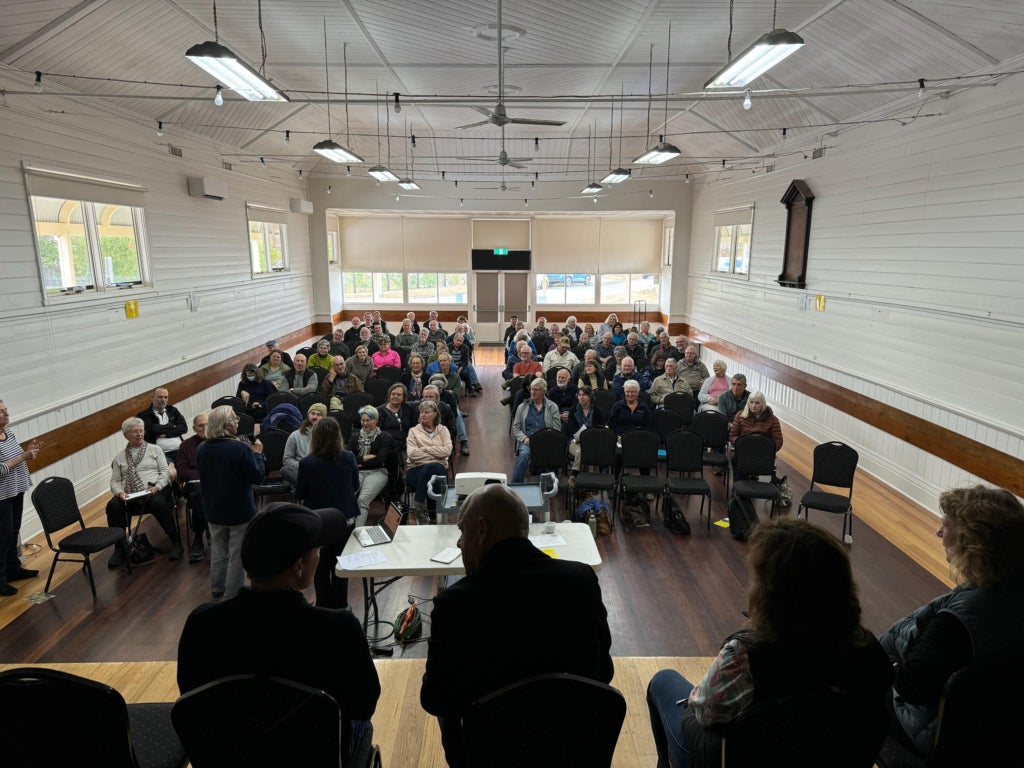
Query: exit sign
{"points": [[501, 251]]}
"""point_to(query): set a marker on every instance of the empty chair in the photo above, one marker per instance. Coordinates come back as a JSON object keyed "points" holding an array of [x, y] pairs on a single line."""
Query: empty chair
{"points": [[681, 403], [353, 401], [246, 424], [345, 421], [281, 397], [313, 397], [713, 427], [389, 373], [503, 728], [549, 451], [684, 454], [597, 450], [261, 722], [665, 422], [55, 503], [377, 389], [54, 718], [237, 404], [640, 452], [274, 441], [835, 464], [755, 456], [604, 400]]}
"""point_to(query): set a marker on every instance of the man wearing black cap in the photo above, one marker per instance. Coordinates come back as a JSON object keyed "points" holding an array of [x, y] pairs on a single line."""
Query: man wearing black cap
{"points": [[269, 627]]}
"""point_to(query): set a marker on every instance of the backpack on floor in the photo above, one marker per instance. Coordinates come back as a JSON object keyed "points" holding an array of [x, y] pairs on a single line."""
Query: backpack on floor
{"points": [[596, 508], [675, 521], [785, 492], [636, 511], [742, 517]]}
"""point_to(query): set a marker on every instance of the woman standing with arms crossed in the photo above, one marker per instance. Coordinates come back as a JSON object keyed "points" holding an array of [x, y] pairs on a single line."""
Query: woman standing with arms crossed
{"points": [[14, 481]]}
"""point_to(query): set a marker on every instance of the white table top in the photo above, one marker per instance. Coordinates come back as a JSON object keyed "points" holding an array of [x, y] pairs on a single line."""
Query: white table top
{"points": [[409, 554]]}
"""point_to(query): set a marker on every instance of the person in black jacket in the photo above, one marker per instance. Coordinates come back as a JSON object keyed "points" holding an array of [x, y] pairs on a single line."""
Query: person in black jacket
{"points": [[551, 613], [164, 424]]}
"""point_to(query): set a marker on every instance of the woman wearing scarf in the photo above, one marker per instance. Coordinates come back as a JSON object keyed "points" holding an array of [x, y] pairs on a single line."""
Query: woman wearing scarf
{"points": [[371, 447]]}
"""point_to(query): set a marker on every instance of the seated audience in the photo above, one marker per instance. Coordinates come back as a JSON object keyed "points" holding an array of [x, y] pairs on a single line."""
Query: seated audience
{"points": [[713, 387], [423, 346], [670, 381], [618, 334], [407, 335], [735, 400], [563, 394], [337, 342], [377, 334], [275, 372], [415, 377], [584, 415], [644, 335], [297, 446], [339, 382], [372, 448], [636, 350], [556, 621], [804, 637], [453, 382], [272, 347], [627, 372], [593, 375], [396, 416], [560, 356], [582, 345], [411, 317], [383, 323], [352, 333], [533, 414], [228, 468], [141, 468], [571, 329], [605, 349], [653, 371], [461, 352], [187, 470], [629, 413], [301, 380], [385, 355], [663, 345], [982, 532], [614, 365], [329, 478], [268, 628], [428, 446], [360, 365], [322, 359], [756, 417], [435, 332], [164, 425], [438, 394]]}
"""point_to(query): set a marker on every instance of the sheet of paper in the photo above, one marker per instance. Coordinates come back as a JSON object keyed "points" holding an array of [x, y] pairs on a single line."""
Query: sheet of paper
{"points": [[361, 559], [136, 495], [447, 555], [542, 540], [723, 523]]}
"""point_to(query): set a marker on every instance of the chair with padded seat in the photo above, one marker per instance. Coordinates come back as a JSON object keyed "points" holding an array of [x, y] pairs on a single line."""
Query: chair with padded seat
{"points": [[835, 464], [345, 422], [273, 484], [307, 401], [237, 404], [681, 403], [377, 388], [389, 373], [353, 401], [640, 452], [684, 452], [281, 397], [260, 721], [713, 427], [55, 718], [55, 504], [598, 447], [755, 457], [604, 400], [502, 729], [549, 452]]}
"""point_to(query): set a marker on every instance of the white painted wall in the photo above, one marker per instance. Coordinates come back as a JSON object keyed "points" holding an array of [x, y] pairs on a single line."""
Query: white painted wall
{"points": [[78, 356], [916, 243]]}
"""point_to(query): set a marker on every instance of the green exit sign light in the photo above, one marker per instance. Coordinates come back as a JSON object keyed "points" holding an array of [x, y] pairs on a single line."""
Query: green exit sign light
{"points": [[501, 251]]}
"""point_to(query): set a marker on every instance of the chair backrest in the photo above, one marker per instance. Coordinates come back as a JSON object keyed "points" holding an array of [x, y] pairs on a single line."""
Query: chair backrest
{"points": [[281, 397], [664, 422], [313, 397], [307, 351], [352, 402], [345, 422], [681, 403], [55, 504], [640, 449], [403, 356], [503, 728], [755, 454], [684, 451], [55, 718], [713, 427], [597, 447], [378, 390], [389, 373], [246, 424], [835, 464], [257, 721], [548, 450], [604, 400], [274, 441], [236, 403], [824, 727], [552, 375], [979, 713]]}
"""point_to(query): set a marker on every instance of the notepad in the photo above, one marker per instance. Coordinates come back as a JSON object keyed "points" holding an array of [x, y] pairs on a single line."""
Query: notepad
{"points": [[542, 540], [723, 523], [447, 555], [361, 559]]}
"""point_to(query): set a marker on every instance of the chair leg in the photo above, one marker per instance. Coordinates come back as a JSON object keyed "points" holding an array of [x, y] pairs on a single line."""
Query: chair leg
{"points": [[53, 567], [87, 567]]}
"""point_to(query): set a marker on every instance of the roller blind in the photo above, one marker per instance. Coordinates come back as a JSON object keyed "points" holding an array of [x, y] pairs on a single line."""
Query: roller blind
{"points": [[566, 245], [631, 245], [371, 243], [43, 184], [734, 216], [332, 223], [436, 244], [513, 234], [264, 213]]}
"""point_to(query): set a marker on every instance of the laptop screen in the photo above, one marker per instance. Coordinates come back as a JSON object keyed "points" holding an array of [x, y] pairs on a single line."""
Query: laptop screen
{"points": [[390, 522]]}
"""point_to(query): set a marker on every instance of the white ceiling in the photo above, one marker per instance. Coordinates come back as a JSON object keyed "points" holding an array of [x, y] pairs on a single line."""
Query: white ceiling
{"points": [[576, 57]]}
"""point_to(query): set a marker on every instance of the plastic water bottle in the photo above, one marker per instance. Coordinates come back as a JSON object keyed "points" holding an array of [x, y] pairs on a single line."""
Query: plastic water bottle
{"points": [[592, 522]]}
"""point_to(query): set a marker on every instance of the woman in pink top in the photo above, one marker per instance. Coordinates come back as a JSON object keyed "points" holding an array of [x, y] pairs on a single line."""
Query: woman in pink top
{"points": [[713, 387], [385, 355]]}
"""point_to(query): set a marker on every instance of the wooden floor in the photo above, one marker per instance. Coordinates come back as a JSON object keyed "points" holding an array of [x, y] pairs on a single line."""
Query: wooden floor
{"points": [[671, 600]]}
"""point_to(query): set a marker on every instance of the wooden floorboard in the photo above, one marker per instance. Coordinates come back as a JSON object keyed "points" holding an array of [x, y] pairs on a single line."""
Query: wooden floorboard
{"points": [[669, 598]]}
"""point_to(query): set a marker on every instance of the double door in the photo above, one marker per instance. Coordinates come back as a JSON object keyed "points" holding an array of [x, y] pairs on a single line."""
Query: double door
{"points": [[499, 296]]}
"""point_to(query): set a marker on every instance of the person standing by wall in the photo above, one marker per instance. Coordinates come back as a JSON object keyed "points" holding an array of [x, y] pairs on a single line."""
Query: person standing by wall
{"points": [[14, 482]]}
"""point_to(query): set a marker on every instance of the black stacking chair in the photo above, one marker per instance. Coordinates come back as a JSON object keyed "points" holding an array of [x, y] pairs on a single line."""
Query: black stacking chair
{"points": [[345, 422], [55, 504], [377, 389], [54, 718], [549, 452], [665, 422], [501, 729], [313, 397], [681, 403], [273, 484], [684, 451], [835, 464], [281, 397], [604, 401], [640, 452], [597, 449], [755, 456], [352, 402], [236, 403], [389, 373], [713, 427], [246, 424]]}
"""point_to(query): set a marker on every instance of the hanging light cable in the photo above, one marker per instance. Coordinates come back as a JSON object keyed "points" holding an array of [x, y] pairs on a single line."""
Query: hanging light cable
{"points": [[664, 150], [329, 148], [380, 172]]}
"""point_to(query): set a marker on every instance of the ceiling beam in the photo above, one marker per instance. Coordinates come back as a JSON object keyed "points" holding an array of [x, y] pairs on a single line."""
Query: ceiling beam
{"points": [[55, 27]]}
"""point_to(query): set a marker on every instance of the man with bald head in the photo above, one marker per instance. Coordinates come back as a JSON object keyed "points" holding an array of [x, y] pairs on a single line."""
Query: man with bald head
{"points": [[516, 614], [164, 424]]}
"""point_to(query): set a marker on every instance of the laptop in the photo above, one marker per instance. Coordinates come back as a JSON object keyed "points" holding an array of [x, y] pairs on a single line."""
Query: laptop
{"points": [[383, 532]]}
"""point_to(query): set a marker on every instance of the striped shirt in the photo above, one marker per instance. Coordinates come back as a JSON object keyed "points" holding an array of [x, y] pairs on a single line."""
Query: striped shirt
{"points": [[12, 481]]}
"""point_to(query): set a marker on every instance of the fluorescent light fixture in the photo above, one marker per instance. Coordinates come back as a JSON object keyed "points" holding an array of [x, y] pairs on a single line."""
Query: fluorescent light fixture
{"points": [[591, 189], [227, 68], [659, 154], [408, 184], [332, 150], [767, 51], [381, 173], [617, 176]]}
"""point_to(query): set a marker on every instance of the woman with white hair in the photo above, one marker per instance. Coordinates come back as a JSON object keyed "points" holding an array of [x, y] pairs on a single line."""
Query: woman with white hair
{"points": [[713, 387], [571, 329], [141, 484], [757, 417]]}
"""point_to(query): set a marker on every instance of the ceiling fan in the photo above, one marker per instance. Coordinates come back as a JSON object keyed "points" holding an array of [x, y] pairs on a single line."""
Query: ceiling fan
{"points": [[502, 159], [502, 187], [499, 116]]}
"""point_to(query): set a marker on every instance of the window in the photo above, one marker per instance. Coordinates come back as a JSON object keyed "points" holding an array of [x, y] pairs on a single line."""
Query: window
{"points": [[625, 289], [437, 287], [86, 243], [732, 240], [668, 243], [567, 288], [268, 229], [357, 287], [332, 247], [388, 287]]}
